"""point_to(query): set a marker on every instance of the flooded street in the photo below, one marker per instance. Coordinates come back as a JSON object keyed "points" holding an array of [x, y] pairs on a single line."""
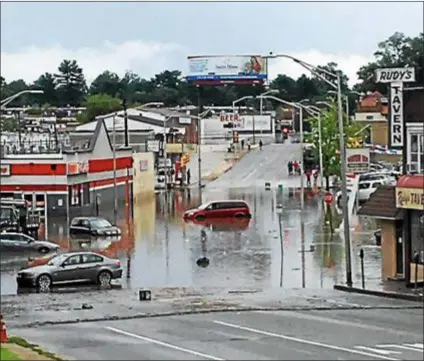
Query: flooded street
{"points": [[161, 250]]}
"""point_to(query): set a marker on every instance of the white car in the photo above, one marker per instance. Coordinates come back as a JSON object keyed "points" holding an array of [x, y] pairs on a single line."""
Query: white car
{"points": [[386, 178], [366, 188]]}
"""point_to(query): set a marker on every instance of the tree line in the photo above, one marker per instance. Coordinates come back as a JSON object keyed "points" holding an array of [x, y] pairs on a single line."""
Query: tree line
{"points": [[69, 86]]}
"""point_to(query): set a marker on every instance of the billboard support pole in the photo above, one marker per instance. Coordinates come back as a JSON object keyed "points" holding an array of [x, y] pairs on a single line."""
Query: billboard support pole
{"points": [[199, 139]]}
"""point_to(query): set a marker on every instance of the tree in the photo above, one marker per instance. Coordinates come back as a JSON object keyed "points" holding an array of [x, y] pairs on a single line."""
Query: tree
{"points": [[99, 104], [106, 83], [71, 83], [397, 51], [330, 140], [47, 84]]}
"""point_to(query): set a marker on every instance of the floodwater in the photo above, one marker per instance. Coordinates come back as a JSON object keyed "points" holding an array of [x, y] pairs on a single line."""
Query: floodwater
{"points": [[159, 249]]}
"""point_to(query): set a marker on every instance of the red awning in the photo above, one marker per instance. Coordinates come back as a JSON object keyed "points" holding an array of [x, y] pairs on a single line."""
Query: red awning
{"points": [[411, 181]]}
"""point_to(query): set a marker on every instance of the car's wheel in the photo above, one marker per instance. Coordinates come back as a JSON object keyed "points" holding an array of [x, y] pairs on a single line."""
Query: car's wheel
{"points": [[43, 250], [104, 278], [44, 281]]}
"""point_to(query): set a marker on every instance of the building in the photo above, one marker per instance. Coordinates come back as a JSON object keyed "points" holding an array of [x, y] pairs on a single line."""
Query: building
{"points": [[400, 210], [72, 181], [372, 112]]}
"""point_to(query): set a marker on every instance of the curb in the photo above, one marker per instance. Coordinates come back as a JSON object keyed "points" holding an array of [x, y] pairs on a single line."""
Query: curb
{"points": [[204, 311], [393, 295]]}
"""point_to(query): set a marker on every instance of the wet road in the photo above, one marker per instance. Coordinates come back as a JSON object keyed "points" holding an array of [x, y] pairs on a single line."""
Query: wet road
{"points": [[159, 249], [279, 335]]}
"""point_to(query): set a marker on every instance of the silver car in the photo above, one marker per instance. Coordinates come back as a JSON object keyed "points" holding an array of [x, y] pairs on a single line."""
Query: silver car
{"points": [[71, 268], [20, 242]]}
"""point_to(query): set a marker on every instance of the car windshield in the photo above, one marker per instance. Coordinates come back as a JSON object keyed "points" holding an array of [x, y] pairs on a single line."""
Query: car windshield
{"points": [[204, 206], [57, 260], [100, 223]]}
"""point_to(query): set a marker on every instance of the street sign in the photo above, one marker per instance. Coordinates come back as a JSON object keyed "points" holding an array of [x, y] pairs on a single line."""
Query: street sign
{"points": [[328, 198]]}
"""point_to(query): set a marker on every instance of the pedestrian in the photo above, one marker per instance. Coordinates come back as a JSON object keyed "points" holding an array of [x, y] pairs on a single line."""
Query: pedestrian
{"points": [[290, 167], [308, 177], [295, 166], [242, 144], [299, 168], [188, 176], [248, 144], [260, 144], [316, 173]]}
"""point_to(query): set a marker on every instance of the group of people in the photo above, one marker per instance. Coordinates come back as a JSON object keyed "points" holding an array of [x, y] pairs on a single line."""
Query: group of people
{"points": [[294, 168]]}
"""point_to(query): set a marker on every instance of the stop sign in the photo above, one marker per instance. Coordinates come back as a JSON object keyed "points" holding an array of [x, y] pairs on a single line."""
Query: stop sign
{"points": [[328, 198]]}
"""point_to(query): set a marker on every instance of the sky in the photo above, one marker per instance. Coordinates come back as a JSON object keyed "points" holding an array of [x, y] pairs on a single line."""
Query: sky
{"points": [[149, 37]]}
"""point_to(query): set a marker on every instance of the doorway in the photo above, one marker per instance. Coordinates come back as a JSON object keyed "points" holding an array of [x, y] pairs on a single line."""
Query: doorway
{"points": [[399, 249]]}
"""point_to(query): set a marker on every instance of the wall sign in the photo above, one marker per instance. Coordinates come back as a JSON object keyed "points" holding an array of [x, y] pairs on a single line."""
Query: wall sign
{"points": [[410, 198], [390, 75], [5, 170], [396, 114], [144, 165], [75, 168]]}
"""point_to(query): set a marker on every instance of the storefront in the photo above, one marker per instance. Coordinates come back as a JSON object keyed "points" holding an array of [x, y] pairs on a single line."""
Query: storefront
{"points": [[410, 198]]}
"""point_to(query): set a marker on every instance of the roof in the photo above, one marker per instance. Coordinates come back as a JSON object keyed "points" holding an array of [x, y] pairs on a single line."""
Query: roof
{"points": [[382, 204]]}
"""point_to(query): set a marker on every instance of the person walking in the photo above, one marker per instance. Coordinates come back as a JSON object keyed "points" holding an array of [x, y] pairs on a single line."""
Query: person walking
{"points": [[188, 176], [295, 166], [290, 167], [308, 177]]}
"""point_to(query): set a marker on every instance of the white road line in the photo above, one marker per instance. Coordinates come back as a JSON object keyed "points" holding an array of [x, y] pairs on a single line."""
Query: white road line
{"points": [[381, 352], [164, 344], [417, 345], [250, 174], [299, 340], [402, 347]]}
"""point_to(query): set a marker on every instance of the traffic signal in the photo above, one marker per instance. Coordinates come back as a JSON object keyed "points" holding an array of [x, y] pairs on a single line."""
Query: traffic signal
{"points": [[235, 137]]}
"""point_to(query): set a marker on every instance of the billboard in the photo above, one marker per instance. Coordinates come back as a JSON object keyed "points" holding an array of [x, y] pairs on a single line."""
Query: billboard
{"points": [[357, 160], [230, 69]]}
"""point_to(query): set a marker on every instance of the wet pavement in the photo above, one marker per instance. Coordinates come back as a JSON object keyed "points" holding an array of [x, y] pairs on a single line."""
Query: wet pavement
{"points": [[158, 249]]}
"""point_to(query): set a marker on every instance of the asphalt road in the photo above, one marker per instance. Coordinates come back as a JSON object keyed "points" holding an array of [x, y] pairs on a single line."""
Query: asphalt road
{"points": [[260, 166], [283, 335]]}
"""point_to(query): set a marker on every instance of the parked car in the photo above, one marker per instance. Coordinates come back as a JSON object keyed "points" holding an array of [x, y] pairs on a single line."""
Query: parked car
{"points": [[366, 188], [70, 268], [219, 209], [20, 242], [93, 226], [224, 224]]}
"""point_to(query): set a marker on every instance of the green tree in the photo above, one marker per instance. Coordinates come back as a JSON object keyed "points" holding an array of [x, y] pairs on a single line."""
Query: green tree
{"points": [[106, 83], [47, 83], [397, 51], [98, 104], [71, 83], [330, 136]]}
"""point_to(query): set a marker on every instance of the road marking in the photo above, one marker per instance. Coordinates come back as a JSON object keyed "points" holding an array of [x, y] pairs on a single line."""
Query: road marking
{"points": [[299, 340], [250, 174], [381, 352], [164, 344], [417, 345], [403, 347]]}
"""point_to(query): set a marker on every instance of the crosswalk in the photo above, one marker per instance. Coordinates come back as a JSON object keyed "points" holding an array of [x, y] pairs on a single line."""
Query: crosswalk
{"points": [[405, 351]]}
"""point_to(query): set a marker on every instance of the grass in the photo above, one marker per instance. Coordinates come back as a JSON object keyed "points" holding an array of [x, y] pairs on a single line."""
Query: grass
{"points": [[24, 343], [7, 355]]}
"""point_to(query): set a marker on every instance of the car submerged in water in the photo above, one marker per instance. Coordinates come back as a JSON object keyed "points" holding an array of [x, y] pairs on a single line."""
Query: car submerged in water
{"points": [[74, 267]]}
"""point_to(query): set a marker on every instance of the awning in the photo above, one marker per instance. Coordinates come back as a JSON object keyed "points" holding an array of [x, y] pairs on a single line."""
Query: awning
{"points": [[411, 181]]}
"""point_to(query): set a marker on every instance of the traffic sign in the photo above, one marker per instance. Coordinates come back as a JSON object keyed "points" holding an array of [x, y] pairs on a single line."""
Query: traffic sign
{"points": [[328, 198]]}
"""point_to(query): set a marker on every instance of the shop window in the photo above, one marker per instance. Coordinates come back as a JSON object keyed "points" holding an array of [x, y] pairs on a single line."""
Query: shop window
{"points": [[417, 234], [415, 152]]}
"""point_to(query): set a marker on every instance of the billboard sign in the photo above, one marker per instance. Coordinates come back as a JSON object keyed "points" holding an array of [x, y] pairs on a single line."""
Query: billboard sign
{"points": [[230, 69], [390, 75], [357, 160], [248, 123]]}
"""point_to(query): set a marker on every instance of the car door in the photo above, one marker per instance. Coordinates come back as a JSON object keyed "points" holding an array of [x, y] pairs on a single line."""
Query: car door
{"points": [[27, 243], [90, 266], [212, 210], [6, 243], [85, 227], [69, 270]]}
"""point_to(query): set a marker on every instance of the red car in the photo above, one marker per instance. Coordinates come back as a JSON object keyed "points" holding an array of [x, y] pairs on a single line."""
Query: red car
{"points": [[219, 209]]}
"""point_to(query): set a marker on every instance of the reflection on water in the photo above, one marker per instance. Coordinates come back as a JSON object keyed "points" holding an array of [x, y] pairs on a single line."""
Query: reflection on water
{"points": [[159, 249]]}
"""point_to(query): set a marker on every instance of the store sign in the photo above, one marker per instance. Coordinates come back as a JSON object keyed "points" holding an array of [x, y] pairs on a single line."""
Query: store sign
{"points": [[5, 170], [357, 160], [75, 168], [390, 75], [410, 198], [153, 146], [184, 120], [396, 115]]}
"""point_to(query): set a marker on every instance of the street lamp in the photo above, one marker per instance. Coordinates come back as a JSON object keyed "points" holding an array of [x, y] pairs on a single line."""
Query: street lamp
{"points": [[261, 106], [6, 101], [317, 115], [336, 85], [302, 186]]}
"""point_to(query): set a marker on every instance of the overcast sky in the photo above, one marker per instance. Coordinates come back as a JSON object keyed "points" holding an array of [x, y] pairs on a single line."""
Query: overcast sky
{"points": [[150, 37]]}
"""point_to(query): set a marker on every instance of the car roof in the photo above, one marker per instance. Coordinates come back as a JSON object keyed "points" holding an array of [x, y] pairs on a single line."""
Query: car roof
{"points": [[15, 233], [88, 218], [226, 200], [73, 253]]}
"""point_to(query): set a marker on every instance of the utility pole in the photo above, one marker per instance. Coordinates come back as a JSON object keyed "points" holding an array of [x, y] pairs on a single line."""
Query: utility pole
{"points": [[115, 187], [126, 135], [199, 140]]}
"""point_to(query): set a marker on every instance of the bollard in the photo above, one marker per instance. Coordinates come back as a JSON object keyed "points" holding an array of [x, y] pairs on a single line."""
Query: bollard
{"points": [[361, 256], [145, 295], [416, 260]]}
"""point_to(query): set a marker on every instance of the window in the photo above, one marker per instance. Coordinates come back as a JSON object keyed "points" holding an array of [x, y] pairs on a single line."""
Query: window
{"points": [[73, 260], [85, 223], [415, 156], [364, 185], [91, 258]]}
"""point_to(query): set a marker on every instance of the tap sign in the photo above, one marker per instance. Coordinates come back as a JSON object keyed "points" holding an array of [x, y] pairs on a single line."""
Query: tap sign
{"points": [[396, 77]]}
